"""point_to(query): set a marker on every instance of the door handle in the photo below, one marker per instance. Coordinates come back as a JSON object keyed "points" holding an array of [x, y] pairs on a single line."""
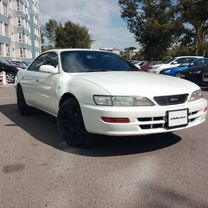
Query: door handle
{"points": [[37, 80]]}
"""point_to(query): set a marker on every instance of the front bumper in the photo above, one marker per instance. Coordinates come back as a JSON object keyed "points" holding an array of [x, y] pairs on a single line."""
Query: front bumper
{"points": [[143, 120]]}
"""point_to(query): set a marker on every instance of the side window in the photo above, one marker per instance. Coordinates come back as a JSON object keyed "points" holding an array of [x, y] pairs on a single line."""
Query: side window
{"points": [[182, 60], [51, 59], [44, 59], [37, 63], [198, 63]]}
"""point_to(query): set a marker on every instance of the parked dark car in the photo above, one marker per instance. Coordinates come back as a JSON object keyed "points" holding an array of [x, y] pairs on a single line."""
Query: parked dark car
{"points": [[197, 73], [10, 70], [19, 64]]}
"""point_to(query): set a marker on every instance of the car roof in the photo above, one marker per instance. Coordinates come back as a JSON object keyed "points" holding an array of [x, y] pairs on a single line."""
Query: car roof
{"points": [[75, 49], [188, 57], [200, 59]]}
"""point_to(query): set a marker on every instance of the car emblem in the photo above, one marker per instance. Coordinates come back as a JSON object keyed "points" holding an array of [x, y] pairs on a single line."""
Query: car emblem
{"points": [[175, 99]]}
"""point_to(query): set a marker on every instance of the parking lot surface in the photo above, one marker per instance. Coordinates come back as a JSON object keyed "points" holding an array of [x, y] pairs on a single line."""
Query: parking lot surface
{"points": [[37, 169]]}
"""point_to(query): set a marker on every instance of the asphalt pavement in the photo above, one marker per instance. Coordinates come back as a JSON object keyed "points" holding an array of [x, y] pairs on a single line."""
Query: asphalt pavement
{"points": [[38, 169]]}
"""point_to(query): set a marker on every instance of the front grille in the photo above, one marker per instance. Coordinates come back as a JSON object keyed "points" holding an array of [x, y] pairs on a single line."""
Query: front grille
{"points": [[148, 123], [171, 100], [152, 122]]}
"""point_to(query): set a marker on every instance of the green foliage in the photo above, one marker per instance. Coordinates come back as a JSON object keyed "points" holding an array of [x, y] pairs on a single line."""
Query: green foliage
{"points": [[50, 30], [153, 24], [194, 15], [72, 36], [69, 35], [159, 24], [130, 49]]}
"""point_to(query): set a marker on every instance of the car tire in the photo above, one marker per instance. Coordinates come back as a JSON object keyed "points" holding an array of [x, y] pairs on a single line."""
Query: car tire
{"points": [[10, 76], [71, 125], [23, 108], [178, 74]]}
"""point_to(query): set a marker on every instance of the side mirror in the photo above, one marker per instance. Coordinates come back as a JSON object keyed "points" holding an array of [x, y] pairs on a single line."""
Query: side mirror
{"points": [[175, 62], [48, 69]]}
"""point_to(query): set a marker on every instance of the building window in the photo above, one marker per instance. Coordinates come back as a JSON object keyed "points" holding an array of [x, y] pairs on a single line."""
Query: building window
{"points": [[1, 49], [21, 38], [5, 10], [19, 23], [7, 50], [6, 29], [1, 28], [19, 5], [22, 52]]}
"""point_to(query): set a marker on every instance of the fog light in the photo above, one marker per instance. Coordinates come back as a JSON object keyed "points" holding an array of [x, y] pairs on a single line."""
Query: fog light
{"points": [[115, 120]]}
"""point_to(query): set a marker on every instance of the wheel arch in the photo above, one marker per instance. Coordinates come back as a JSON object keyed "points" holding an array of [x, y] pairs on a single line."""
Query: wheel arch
{"points": [[18, 85], [65, 97]]}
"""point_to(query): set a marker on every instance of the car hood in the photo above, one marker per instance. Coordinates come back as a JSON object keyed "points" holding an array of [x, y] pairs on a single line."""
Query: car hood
{"points": [[138, 83]]}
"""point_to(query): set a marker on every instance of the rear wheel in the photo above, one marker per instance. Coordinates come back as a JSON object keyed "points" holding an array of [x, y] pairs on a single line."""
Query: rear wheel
{"points": [[23, 108], [10, 76], [71, 126]]}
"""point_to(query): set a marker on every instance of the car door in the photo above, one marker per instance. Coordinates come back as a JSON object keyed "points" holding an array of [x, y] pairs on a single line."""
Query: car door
{"points": [[205, 71], [27, 79], [46, 85]]}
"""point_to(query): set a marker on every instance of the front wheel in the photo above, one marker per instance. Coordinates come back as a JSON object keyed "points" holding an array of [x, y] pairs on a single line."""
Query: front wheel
{"points": [[23, 108], [71, 126]]}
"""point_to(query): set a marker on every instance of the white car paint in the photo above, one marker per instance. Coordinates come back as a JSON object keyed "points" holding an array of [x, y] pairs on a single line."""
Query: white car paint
{"points": [[173, 63], [45, 90]]}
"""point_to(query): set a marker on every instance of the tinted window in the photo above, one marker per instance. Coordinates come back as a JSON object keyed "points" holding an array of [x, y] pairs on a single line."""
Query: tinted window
{"points": [[198, 62], [93, 61], [168, 61], [44, 59], [183, 60]]}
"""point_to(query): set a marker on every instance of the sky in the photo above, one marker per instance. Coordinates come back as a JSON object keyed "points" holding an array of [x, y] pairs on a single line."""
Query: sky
{"points": [[101, 17]]}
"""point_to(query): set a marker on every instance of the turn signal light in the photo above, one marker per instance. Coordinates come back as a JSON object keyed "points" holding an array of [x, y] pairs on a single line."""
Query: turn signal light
{"points": [[115, 120]]}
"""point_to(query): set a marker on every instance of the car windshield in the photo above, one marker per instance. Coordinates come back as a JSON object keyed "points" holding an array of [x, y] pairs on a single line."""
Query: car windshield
{"points": [[168, 61], [4, 62], [188, 62], [93, 61]]}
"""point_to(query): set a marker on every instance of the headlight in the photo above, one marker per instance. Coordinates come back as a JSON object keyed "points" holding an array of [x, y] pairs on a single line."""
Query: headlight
{"points": [[196, 95], [103, 100], [197, 72], [124, 101], [167, 71]]}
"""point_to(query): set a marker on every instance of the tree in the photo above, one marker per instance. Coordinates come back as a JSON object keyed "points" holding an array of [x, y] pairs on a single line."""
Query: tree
{"points": [[153, 23], [50, 31], [72, 36], [194, 15]]}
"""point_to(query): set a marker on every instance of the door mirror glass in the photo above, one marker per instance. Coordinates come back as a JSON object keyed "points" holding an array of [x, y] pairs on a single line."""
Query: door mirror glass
{"points": [[48, 69]]}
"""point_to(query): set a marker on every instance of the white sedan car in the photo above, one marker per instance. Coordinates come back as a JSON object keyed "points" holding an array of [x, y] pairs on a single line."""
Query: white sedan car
{"points": [[92, 91], [173, 62]]}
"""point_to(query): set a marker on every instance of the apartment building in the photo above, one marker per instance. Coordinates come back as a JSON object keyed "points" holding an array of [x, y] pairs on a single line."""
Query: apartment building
{"points": [[20, 37]]}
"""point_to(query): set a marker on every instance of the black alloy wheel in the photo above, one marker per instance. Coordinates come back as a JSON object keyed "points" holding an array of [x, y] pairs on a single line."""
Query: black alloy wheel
{"points": [[71, 126]]}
